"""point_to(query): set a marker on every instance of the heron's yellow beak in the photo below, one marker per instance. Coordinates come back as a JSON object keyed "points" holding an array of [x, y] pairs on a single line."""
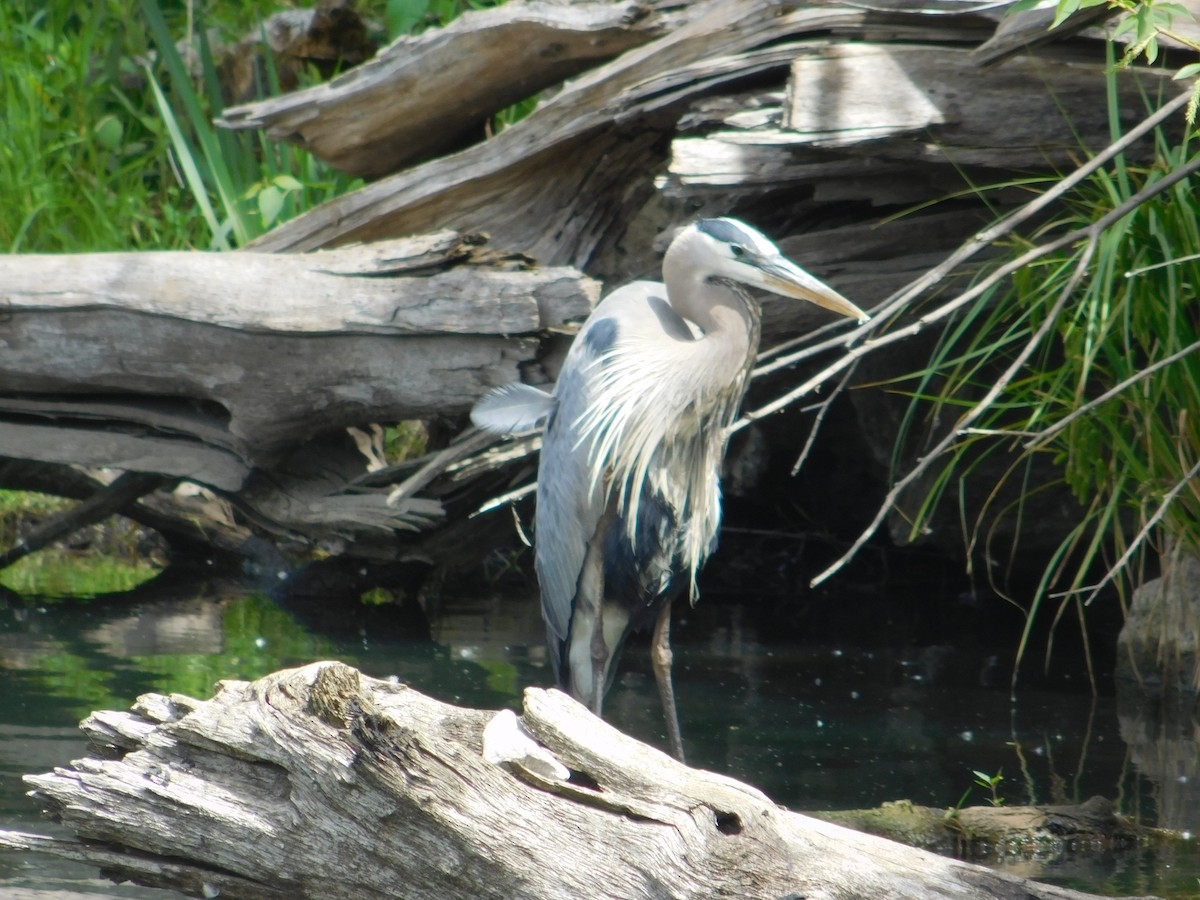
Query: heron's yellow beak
{"points": [[782, 276]]}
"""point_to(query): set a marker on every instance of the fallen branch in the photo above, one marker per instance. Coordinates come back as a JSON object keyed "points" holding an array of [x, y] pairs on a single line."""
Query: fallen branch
{"points": [[320, 782], [124, 490], [422, 95]]}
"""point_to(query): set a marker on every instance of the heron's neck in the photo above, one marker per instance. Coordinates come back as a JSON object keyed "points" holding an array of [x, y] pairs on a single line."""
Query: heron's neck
{"points": [[723, 310]]}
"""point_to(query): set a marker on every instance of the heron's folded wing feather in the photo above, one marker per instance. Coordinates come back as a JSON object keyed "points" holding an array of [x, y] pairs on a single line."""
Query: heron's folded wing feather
{"points": [[512, 408], [568, 506]]}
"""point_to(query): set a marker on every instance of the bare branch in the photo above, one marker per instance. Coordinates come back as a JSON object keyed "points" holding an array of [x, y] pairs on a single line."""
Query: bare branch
{"points": [[1142, 536], [972, 414], [1038, 439], [823, 408]]}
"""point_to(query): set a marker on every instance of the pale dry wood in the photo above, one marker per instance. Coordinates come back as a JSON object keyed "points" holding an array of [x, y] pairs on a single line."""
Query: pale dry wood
{"points": [[857, 116], [320, 782], [374, 290], [223, 369], [562, 183], [161, 382], [423, 95], [950, 109], [99, 446], [225, 361]]}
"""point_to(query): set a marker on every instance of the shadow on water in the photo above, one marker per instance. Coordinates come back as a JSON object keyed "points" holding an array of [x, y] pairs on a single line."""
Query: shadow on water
{"points": [[815, 725]]}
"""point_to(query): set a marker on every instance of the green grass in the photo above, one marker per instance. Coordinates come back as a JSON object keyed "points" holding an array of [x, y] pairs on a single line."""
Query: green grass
{"points": [[101, 151], [55, 572], [97, 560], [1109, 397], [82, 160]]}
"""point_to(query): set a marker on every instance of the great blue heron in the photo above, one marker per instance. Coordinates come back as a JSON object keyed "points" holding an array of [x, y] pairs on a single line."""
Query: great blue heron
{"points": [[628, 495]]}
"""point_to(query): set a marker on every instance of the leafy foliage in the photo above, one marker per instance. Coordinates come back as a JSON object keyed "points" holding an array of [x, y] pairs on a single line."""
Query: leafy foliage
{"points": [[1144, 23], [107, 142], [1110, 394]]}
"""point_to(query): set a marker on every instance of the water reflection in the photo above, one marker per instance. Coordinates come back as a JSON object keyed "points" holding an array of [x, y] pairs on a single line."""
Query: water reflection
{"points": [[1163, 735], [816, 727]]}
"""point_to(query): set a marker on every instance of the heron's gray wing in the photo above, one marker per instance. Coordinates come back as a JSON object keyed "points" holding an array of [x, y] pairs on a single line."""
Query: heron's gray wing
{"points": [[512, 408], [568, 505]]}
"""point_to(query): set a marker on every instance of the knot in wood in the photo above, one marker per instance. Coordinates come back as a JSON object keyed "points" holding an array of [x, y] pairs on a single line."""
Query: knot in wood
{"points": [[336, 694]]}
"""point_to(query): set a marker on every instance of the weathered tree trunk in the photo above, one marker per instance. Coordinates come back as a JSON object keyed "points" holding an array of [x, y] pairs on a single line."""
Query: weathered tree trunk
{"points": [[320, 782], [223, 368], [424, 95]]}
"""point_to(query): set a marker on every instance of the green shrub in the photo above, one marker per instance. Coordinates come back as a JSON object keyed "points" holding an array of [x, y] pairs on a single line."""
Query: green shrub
{"points": [[1110, 393]]}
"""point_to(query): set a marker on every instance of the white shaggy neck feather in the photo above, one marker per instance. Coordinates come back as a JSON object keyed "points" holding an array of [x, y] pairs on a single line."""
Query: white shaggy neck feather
{"points": [[661, 410]]}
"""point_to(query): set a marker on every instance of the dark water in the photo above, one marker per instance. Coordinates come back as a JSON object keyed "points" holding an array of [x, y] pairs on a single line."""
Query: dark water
{"points": [[816, 727]]}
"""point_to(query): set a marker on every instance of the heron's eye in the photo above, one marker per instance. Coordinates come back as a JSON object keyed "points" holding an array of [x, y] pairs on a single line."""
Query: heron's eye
{"points": [[738, 251]]}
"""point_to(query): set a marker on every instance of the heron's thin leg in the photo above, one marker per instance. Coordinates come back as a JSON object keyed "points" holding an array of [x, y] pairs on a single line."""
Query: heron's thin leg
{"points": [[660, 660], [599, 653], [593, 576]]}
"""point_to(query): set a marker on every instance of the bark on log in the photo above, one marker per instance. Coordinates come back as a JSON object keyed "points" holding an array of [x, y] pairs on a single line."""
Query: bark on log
{"points": [[993, 832], [423, 95], [216, 368], [320, 782]]}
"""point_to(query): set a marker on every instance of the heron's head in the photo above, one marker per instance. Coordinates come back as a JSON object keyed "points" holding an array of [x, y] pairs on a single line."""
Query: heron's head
{"points": [[727, 248]]}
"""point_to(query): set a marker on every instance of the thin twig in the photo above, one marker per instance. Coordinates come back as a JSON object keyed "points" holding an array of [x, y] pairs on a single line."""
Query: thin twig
{"points": [[970, 416], [441, 461], [822, 409], [511, 497], [107, 501], [1142, 535], [1039, 438]]}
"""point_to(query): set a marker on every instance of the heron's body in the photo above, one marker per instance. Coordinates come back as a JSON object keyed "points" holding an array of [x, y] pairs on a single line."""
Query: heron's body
{"points": [[629, 499], [633, 476]]}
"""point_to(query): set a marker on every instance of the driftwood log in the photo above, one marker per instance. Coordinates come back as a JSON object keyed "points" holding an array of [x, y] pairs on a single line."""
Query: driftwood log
{"points": [[321, 782], [993, 832], [215, 368], [423, 95], [241, 372]]}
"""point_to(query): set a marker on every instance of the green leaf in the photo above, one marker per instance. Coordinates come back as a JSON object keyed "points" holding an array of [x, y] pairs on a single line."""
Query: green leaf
{"points": [[404, 15], [1065, 9], [1187, 72], [1164, 13], [270, 204], [187, 162], [1126, 25], [1145, 23], [287, 182], [109, 132]]}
